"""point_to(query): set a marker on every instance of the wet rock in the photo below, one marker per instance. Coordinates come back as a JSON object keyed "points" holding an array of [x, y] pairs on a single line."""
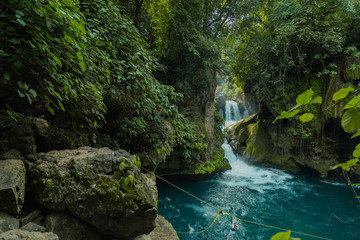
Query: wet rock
{"points": [[12, 186], [89, 184], [163, 231]]}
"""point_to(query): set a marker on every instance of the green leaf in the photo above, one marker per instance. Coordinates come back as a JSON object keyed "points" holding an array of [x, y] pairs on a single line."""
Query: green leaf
{"points": [[21, 22], [51, 110], [21, 94], [287, 114], [305, 97], [68, 39], [281, 236], [18, 64], [80, 56], [20, 13], [306, 117], [131, 178], [61, 106], [78, 26], [350, 120], [57, 60], [83, 66], [356, 134], [6, 77], [126, 181], [356, 152], [353, 103], [122, 166], [15, 41], [33, 93], [317, 100], [346, 166], [342, 93]]}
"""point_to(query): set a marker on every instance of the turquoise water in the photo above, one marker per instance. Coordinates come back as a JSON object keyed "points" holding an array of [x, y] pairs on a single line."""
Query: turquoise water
{"points": [[264, 195]]}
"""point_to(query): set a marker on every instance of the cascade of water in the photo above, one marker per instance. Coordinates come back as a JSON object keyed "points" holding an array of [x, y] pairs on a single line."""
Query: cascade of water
{"points": [[232, 112]]}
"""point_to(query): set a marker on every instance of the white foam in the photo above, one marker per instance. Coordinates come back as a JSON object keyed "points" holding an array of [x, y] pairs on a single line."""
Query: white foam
{"points": [[253, 177], [191, 229]]}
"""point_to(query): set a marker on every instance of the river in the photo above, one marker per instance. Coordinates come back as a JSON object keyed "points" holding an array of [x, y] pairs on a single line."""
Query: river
{"points": [[268, 196]]}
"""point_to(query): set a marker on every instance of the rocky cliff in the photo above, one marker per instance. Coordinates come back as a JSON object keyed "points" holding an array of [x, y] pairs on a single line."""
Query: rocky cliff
{"points": [[261, 141], [206, 156]]}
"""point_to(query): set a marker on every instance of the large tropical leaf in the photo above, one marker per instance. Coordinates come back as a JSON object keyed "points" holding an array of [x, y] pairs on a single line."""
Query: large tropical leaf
{"points": [[350, 120], [305, 97], [281, 236], [342, 93]]}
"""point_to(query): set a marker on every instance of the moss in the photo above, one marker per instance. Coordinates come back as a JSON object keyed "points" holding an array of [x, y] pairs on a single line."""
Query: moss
{"points": [[258, 144], [49, 185], [215, 165]]}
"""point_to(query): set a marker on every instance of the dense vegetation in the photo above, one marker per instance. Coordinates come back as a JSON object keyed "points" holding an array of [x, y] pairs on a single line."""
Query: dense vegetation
{"points": [[288, 47], [285, 48], [114, 70]]}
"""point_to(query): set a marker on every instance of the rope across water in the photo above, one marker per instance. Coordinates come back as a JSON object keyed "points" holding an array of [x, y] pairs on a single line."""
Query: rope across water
{"points": [[219, 210]]}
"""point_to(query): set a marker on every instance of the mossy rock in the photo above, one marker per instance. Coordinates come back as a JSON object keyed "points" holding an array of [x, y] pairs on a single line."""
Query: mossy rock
{"points": [[258, 145], [89, 184]]}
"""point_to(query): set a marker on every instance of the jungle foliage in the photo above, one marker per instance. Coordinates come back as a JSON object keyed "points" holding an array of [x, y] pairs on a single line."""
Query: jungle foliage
{"points": [[285, 48], [114, 69]]}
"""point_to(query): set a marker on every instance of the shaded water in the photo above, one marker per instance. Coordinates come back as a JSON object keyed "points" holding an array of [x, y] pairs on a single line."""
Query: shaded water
{"points": [[264, 195]]}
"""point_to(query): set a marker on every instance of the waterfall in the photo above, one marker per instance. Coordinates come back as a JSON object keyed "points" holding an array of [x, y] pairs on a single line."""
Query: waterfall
{"points": [[232, 112]]}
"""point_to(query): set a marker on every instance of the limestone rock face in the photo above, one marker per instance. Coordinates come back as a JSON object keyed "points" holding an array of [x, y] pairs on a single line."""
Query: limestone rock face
{"points": [[89, 184], [12, 186], [163, 231], [18, 234]]}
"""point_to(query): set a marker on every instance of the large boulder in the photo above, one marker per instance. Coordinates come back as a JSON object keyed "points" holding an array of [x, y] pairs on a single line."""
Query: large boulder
{"points": [[88, 183], [18, 234], [12, 186], [239, 132], [252, 139], [163, 231]]}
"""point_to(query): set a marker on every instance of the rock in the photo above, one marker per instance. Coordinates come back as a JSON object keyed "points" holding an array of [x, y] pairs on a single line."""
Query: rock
{"points": [[17, 135], [33, 227], [163, 231], [8, 222], [239, 131], [12, 186], [87, 183], [19, 234], [12, 154], [220, 101], [30, 217], [69, 228]]}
